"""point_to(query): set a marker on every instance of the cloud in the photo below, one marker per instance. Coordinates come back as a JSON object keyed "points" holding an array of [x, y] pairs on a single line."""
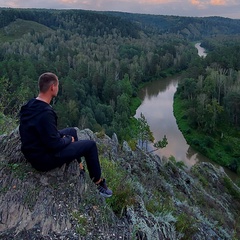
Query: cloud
{"points": [[154, 1], [218, 2], [225, 8], [207, 3]]}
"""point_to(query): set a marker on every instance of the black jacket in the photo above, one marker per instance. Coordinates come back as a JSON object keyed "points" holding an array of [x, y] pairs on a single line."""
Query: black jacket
{"points": [[38, 130]]}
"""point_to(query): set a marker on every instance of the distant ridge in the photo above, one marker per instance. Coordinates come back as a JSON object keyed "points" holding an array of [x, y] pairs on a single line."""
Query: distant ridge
{"points": [[191, 27], [19, 27]]}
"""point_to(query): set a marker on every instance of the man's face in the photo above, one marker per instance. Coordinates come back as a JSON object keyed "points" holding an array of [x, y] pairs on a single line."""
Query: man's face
{"points": [[55, 89]]}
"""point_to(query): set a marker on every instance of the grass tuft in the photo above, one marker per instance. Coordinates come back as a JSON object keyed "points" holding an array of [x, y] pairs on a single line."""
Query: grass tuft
{"points": [[121, 185]]}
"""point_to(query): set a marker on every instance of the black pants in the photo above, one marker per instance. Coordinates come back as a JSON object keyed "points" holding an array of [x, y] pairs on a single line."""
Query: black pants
{"points": [[76, 150]]}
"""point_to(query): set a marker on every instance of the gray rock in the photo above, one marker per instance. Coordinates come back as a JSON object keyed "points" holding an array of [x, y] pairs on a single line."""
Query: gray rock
{"points": [[167, 202], [126, 148]]}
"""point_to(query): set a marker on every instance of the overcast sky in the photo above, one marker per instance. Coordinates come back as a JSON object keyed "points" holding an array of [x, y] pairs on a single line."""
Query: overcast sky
{"points": [[195, 8]]}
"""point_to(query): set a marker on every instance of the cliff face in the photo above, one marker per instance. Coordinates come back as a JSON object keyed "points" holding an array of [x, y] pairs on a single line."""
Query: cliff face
{"points": [[169, 202]]}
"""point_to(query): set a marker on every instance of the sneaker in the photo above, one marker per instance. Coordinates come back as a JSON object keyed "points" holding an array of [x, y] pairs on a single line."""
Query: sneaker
{"points": [[103, 189]]}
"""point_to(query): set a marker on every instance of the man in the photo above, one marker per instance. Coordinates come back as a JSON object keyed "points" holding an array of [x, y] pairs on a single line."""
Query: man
{"points": [[47, 148]]}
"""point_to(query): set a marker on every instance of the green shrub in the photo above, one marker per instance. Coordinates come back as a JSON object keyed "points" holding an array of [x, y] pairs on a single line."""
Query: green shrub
{"points": [[132, 144], [196, 142], [188, 131], [185, 225], [208, 142], [122, 187], [203, 149], [231, 189], [158, 204], [228, 148]]}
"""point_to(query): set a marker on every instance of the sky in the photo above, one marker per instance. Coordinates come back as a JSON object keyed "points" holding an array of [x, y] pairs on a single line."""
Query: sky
{"points": [[192, 8]]}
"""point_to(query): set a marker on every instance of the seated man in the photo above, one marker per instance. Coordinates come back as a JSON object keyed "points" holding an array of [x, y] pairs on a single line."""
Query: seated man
{"points": [[47, 148]]}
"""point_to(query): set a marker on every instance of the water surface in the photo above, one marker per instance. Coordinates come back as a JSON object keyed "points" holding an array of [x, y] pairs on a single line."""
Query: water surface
{"points": [[157, 107]]}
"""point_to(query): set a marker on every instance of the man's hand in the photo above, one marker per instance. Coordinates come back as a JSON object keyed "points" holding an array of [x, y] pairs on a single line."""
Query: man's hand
{"points": [[72, 138]]}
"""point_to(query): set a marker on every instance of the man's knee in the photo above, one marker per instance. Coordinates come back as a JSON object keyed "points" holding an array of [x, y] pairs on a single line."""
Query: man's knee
{"points": [[91, 145], [94, 145]]}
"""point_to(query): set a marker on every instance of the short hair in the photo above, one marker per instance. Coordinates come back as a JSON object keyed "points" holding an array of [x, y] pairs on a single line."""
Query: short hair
{"points": [[46, 80]]}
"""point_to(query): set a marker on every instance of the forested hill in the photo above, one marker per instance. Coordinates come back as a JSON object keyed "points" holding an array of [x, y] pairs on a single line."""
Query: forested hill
{"points": [[99, 23], [101, 59], [194, 28], [80, 21]]}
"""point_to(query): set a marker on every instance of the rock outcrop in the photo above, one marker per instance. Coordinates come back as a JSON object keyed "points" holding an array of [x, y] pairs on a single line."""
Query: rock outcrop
{"points": [[170, 202]]}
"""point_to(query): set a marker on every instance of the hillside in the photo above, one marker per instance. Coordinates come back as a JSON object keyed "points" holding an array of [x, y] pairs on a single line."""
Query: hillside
{"points": [[82, 22], [153, 198], [19, 27], [192, 28], [101, 60]]}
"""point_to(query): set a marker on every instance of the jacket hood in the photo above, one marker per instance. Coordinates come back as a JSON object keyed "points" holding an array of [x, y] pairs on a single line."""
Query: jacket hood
{"points": [[33, 108]]}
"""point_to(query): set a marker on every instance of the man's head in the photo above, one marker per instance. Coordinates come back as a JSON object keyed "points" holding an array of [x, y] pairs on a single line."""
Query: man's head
{"points": [[48, 82]]}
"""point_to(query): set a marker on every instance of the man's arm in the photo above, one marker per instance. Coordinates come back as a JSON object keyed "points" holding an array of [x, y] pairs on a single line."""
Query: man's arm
{"points": [[50, 136]]}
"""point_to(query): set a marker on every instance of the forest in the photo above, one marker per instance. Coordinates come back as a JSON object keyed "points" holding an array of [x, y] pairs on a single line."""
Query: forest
{"points": [[211, 99], [103, 58]]}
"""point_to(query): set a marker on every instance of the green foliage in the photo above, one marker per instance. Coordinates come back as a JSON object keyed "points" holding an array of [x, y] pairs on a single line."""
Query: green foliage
{"points": [[20, 27], [98, 79], [123, 187], [224, 50], [179, 164], [189, 27], [161, 143], [134, 104], [231, 189], [101, 61], [7, 124], [200, 177], [82, 223], [208, 124], [20, 170], [158, 204], [132, 144], [144, 134], [185, 225], [10, 103]]}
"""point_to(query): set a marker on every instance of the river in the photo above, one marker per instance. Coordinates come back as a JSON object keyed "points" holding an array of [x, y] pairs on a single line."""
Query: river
{"points": [[157, 107], [201, 51]]}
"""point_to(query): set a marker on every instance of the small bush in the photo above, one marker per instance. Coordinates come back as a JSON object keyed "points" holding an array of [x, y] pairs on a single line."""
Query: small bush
{"points": [[208, 142], [196, 142], [158, 204], [228, 148], [121, 185], [203, 149], [188, 131], [132, 144], [230, 187], [185, 225]]}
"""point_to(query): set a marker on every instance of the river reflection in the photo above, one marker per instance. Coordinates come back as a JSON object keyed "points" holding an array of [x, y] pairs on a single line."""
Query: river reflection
{"points": [[157, 107]]}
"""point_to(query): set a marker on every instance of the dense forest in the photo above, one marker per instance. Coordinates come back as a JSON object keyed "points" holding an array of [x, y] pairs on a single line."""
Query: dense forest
{"points": [[190, 28], [103, 58], [211, 122], [100, 60]]}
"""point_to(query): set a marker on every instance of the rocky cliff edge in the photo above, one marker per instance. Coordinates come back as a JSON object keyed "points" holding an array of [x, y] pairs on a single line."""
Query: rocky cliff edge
{"points": [[165, 201]]}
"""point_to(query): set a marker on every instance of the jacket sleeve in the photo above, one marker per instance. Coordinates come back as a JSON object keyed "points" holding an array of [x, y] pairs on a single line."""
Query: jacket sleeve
{"points": [[50, 136]]}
